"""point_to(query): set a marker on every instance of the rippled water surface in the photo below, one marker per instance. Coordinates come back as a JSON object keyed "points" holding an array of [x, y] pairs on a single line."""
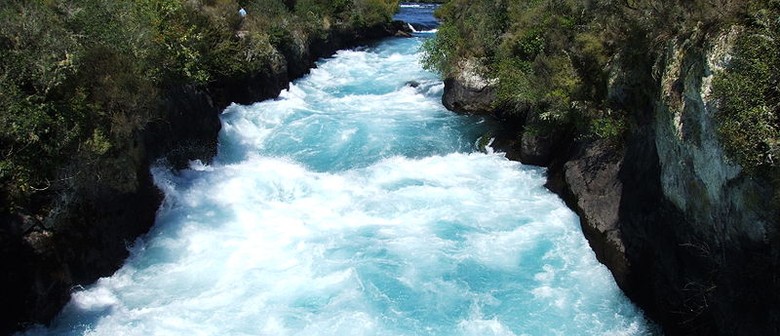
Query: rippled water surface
{"points": [[355, 204]]}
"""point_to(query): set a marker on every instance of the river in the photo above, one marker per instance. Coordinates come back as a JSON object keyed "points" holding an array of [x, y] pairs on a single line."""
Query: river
{"points": [[355, 204]]}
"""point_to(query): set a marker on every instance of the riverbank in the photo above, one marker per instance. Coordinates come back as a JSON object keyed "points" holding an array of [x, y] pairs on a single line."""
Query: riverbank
{"points": [[75, 235], [637, 149], [356, 204]]}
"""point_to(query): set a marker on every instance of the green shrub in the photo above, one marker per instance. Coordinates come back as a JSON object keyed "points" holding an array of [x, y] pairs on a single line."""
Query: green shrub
{"points": [[550, 54], [372, 12], [749, 108], [517, 83], [608, 127], [38, 59], [438, 51], [80, 78]]}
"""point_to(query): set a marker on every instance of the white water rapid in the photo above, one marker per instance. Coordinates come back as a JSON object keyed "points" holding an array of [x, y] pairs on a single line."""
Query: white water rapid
{"points": [[355, 204]]}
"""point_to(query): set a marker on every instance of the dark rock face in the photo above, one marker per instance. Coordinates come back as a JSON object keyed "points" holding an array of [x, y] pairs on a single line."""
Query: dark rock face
{"points": [[525, 138], [541, 143], [701, 235], [88, 237], [468, 92], [589, 183], [687, 274], [42, 286], [461, 98], [39, 268], [688, 236]]}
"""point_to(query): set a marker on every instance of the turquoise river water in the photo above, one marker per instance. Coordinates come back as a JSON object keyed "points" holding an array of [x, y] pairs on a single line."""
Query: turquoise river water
{"points": [[355, 204]]}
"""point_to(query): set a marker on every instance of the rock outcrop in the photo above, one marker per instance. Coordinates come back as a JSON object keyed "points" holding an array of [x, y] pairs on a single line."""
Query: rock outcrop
{"points": [[688, 235], [590, 183], [468, 91], [88, 232], [717, 273]]}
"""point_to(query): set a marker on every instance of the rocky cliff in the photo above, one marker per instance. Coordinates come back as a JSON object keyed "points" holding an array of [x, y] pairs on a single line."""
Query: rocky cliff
{"points": [[87, 234], [688, 234]]}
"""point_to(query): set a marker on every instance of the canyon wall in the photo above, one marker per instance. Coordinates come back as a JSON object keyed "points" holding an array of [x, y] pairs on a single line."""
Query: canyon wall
{"points": [[688, 234]]}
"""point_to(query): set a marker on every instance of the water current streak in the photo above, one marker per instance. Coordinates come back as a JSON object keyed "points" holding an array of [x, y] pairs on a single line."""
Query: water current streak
{"points": [[355, 204]]}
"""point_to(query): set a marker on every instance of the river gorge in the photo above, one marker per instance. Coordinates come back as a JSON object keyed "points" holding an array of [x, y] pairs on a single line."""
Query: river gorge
{"points": [[356, 204]]}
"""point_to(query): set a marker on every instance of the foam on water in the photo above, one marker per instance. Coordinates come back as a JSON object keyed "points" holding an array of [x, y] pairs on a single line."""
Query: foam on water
{"points": [[356, 205]]}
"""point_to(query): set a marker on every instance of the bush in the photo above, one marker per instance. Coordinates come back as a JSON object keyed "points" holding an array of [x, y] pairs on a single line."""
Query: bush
{"points": [[550, 54], [80, 78], [749, 114], [438, 52], [38, 59], [371, 12]]}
